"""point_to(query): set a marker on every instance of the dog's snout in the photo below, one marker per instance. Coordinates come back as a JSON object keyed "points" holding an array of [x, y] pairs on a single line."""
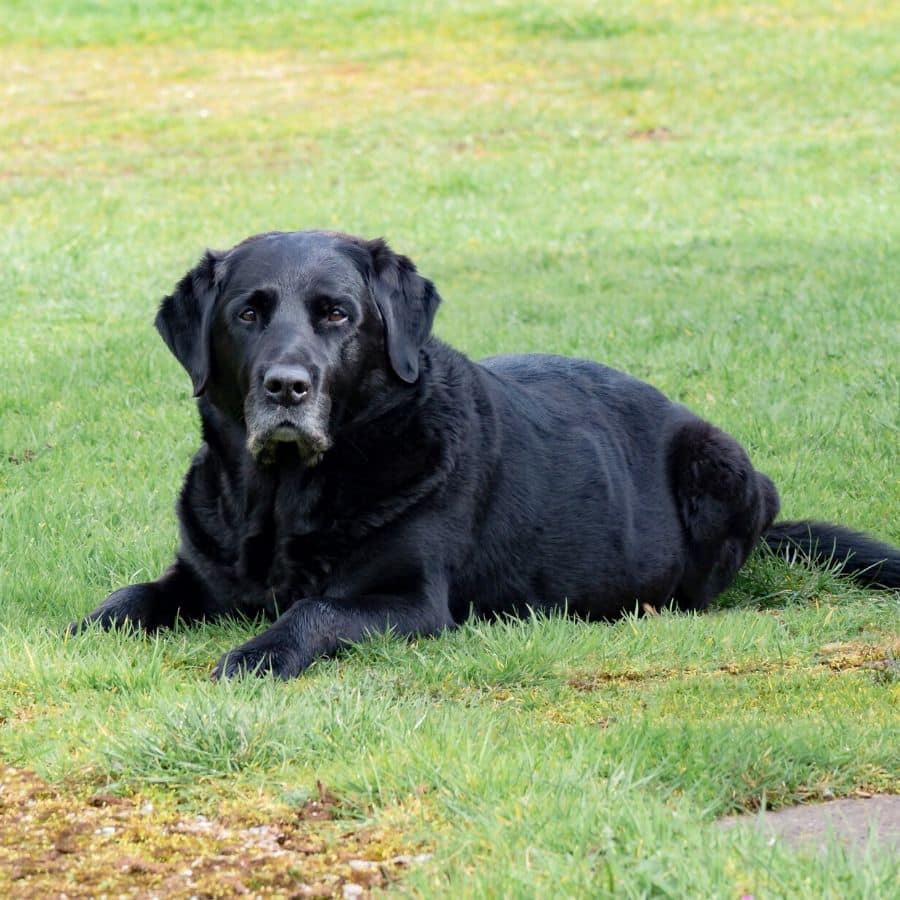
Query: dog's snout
{"points": [[287, 385]]}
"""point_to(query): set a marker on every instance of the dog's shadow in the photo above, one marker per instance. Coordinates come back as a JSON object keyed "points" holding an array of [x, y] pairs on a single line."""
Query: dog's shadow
{"points": [[771, 580]]}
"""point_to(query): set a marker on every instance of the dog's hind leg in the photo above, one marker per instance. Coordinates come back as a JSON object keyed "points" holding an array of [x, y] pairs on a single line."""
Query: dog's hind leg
{"points": [[725, 506]]}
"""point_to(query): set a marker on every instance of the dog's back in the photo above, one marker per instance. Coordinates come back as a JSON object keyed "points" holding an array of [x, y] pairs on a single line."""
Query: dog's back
{"points": [[582, 467]]}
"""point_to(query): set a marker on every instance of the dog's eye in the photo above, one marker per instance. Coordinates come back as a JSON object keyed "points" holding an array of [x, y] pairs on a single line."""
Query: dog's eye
{"points": [[247, 315], [336, 314]]}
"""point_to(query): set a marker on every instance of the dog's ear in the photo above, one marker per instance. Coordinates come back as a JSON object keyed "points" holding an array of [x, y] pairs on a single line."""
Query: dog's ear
{"points": [[184, 319], [407, 303]]}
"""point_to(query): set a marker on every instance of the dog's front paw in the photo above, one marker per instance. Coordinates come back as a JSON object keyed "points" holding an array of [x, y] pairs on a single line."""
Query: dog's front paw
{"points": [[131, 605], [268, 654]]}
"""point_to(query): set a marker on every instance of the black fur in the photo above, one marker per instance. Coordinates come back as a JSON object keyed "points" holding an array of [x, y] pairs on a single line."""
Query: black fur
{"points": [[869, 561], [405, 487]]}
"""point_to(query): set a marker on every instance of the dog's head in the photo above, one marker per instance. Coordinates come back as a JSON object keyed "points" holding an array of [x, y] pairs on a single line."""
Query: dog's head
{"points": [[293, 333]]}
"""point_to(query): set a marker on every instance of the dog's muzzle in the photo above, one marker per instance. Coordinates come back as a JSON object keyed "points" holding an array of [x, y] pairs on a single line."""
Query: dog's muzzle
{"points": [[285, 411]]}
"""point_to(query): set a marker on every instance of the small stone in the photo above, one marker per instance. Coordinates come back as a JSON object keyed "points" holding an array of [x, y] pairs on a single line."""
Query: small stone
{"points": [[363, 865], [366, 872], [318, 891], [352, 890]]}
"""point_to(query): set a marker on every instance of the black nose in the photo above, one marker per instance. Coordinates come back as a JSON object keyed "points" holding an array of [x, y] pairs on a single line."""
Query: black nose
{"points": [[287, 385]]}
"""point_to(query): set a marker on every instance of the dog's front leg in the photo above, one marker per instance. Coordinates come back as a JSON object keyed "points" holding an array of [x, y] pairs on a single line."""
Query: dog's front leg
{"points": [[152, 604], [320, 626]]}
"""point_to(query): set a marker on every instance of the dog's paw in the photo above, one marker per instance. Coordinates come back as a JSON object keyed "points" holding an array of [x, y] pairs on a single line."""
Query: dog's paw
{"points": [[129, 606], [268, 654]]}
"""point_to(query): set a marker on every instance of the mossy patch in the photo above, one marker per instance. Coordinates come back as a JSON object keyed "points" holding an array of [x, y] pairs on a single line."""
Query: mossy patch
{"points": [[56, 841]]}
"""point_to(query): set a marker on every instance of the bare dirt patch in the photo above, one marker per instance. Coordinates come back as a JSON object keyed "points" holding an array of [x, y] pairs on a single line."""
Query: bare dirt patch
{"points": [[54, 843], [857, 655], [20, 459], [882, 658], [659, 133]]}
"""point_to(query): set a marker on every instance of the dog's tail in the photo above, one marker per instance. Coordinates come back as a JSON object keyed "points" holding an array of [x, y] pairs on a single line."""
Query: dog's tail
{"points": [[868, 561]]}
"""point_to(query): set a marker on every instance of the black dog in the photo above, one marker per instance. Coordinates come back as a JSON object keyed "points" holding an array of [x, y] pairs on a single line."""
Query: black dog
{"points": [[357, 475]]}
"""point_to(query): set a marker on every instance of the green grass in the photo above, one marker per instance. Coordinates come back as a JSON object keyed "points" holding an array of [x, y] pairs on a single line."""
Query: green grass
{"points": [[703, 194]]}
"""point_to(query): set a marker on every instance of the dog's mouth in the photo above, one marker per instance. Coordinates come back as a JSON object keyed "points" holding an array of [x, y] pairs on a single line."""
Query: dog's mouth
{"points": [[287, 442]]}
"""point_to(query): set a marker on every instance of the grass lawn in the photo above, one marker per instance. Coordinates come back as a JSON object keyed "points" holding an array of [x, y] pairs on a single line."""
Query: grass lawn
{"points": [[704, 194]]}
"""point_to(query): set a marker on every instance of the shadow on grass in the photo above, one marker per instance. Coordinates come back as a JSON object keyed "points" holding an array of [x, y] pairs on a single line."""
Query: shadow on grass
{"points": [[771, 581]]}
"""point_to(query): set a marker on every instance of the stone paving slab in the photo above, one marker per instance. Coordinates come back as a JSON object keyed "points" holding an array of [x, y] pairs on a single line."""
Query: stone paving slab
{"points": [[852, 822]]}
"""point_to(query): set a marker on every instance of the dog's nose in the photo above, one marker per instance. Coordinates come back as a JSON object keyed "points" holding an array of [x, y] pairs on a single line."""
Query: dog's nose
{"points": [[287, 385]]}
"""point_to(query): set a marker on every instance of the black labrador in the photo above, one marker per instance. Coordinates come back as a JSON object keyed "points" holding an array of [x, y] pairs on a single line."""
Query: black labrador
{"points": [[357, 475]]}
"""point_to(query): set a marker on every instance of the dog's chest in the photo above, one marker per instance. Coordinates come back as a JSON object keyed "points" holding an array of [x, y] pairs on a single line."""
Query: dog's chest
{"points": [[293, 534], [290, 547]]}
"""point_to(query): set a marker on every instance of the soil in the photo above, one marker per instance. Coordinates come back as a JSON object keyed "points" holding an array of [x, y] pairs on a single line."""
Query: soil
{"points": [[57, 843]]}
